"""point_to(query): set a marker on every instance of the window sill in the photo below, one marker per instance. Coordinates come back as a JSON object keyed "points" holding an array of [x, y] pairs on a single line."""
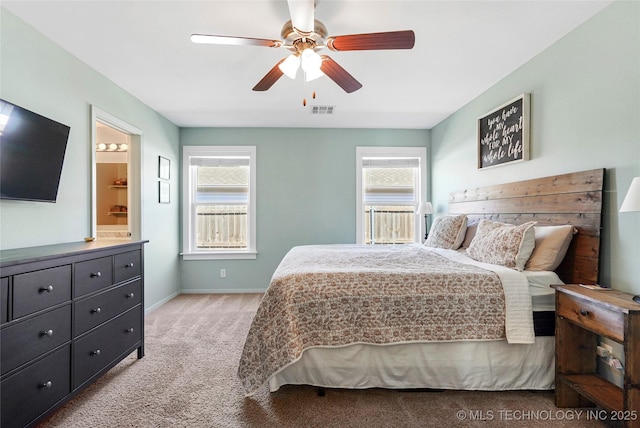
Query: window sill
{"points": [[230, 255]]}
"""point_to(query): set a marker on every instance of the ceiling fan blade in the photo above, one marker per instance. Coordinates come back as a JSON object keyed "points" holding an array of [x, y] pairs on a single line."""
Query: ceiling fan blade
{"points": [[231, 40], [339, 75], [373, 41], [301, 12], [270, 78]]}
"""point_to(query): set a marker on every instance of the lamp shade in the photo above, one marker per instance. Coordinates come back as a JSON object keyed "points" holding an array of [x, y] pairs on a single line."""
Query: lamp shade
{"points": [[632, 200], [425, 208]]}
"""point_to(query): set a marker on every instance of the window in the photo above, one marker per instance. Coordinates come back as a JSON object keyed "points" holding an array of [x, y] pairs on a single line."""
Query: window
{"points": [[219, 220], [390, 184]]}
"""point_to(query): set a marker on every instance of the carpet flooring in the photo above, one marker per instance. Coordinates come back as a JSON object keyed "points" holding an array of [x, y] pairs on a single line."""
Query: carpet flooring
{"points": [[188, 379]]}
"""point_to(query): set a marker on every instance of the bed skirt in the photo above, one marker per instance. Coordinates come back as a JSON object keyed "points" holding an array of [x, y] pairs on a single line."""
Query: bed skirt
{"points": [[487, 365]]}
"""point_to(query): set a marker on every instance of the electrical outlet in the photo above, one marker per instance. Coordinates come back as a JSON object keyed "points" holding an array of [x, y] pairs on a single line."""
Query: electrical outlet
{"points": [[223, 273]]}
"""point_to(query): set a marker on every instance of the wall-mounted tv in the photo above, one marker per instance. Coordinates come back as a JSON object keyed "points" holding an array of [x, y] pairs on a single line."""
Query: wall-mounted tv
{"points": [[32, 151]]}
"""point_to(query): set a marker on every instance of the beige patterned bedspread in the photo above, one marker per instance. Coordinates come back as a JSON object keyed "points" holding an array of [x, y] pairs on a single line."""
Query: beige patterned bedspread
{"points": [[334, 295]]}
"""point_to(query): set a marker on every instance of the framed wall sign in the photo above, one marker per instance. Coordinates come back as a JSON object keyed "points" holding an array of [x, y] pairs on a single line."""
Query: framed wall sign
{"points": [[503, 134]]}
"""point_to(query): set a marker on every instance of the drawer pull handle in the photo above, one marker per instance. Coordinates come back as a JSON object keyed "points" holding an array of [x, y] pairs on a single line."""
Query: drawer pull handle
{"points": [[130, 295], [96, 275], [584, 312], [48, 384], [96, 352], [129, 330], [47, 333], [48, 289], [129, 265], [96, 311]]}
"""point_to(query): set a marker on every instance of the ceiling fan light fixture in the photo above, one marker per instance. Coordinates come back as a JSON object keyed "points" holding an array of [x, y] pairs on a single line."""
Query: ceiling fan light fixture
{"points": [[290, 66], [310, 61], [312, 74]]}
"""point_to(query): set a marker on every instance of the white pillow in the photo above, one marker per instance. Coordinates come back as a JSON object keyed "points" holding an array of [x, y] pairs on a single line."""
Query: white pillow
{"points": [[447, 232], [552, 243], [472, 227], [503, 244]]}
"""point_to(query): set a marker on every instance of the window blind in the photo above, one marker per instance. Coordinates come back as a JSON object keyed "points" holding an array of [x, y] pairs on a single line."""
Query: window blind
{"points": [[221, 180], [390, 162]]}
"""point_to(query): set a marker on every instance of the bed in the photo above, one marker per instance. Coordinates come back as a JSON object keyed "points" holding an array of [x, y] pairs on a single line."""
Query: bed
{"points": [[444, 315]]}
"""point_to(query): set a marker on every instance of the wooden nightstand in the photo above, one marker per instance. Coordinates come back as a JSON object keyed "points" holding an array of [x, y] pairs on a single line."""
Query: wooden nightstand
{"points": [[581, 316]]}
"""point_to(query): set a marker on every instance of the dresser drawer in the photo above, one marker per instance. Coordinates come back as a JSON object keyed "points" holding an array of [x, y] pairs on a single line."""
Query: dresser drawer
{"points": [[40, 289], [103, 345], [127, 265], [591, 316], [4, 300], [28, 393], [30, 338], [97, 309], [92, 275]]}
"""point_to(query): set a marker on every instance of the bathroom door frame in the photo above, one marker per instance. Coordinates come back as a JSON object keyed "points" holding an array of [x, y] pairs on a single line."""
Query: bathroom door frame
{"points": [[134, 184]]}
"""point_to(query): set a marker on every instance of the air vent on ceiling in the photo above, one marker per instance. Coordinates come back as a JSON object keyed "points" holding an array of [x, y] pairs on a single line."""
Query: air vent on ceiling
{"points": [[322, 109]]}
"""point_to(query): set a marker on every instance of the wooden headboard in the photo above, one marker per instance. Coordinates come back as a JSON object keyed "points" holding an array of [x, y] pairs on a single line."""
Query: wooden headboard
{"points": [[574, 198]]}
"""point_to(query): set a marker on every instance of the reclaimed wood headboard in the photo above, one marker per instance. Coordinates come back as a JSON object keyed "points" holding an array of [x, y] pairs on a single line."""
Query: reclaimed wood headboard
{"points": [[574, 198]]}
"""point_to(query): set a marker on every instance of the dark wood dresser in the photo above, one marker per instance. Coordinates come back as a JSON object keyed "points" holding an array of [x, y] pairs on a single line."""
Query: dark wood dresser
{"points": [[69, 313]]}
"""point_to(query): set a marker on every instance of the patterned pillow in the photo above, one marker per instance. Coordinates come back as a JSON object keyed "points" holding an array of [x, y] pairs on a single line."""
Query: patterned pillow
{"points": [[503, 244], [447, 232]]}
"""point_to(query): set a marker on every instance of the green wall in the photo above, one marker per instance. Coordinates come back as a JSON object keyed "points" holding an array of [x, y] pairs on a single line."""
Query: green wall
{"points": [[306, 184], [39, 75], [585, 114]]}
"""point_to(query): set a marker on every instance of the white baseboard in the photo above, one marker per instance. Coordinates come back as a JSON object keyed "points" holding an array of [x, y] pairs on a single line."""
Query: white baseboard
{"points": [[161, 302], [221, 291]]}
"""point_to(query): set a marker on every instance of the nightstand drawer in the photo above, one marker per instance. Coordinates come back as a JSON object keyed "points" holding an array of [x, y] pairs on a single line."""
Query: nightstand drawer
{"points": [[40, 289], [591, 316], [98, 309], [35, 389], [28, 339], [127, 265], [92, 275]]}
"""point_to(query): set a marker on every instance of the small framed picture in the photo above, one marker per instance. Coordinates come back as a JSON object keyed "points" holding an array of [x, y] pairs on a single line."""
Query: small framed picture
{"points": [[164, 168], [164, 192]]}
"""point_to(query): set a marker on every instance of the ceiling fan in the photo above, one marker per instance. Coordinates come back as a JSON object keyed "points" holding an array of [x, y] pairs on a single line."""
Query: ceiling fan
{"points": [[304, 36]]}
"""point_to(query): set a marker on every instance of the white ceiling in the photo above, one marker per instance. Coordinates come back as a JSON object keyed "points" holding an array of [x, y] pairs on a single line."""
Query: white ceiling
{"points": [[462, 48]]}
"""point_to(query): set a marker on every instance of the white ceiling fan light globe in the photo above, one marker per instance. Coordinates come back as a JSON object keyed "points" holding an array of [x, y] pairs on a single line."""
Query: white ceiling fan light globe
{"points": [[310, 60], [312, 74], [290, 66]]}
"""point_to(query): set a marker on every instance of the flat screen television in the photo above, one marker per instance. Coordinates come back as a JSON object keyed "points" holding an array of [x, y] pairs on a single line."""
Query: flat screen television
{"points": [[32, 149]]}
